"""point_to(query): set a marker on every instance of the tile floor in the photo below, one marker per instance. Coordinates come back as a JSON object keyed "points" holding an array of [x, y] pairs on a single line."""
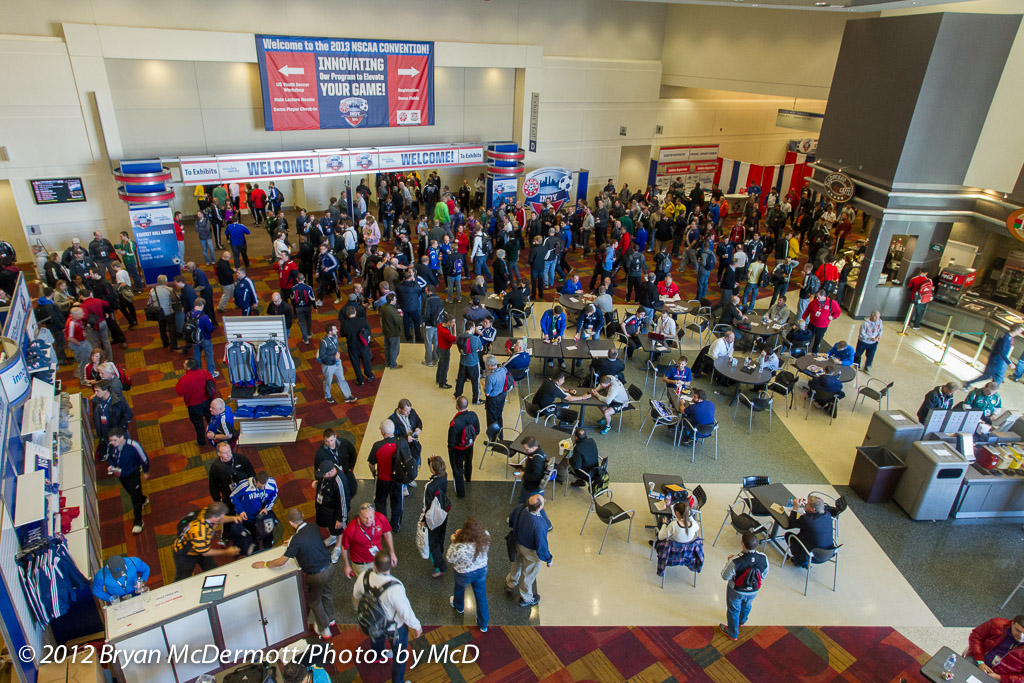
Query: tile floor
{"points": [[920, 578]]}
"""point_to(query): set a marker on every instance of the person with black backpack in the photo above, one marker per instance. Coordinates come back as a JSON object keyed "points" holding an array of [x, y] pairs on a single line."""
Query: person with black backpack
{"points": [[389, 462], [383, 612], [744, 573], [462, 433], [433, 316]]}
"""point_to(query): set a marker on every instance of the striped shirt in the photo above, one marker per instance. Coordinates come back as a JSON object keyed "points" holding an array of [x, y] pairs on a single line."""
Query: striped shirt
{"points": [[198, 537]]}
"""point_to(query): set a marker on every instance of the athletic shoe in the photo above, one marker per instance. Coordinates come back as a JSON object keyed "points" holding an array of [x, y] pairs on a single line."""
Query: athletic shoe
{"points": [[330, 400], [451, 601], [337, 301], [137, 529], [529, 603], [215, 374], [606, 429], [483, 629], [351, 399], [331, 540], [319, 303], [335, 555], [725, 631], [411, 484]]}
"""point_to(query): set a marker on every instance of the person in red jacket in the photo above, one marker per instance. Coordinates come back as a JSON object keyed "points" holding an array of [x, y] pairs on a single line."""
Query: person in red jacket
{"points": [[445, 339], [258, 200], [829, 276], [921, 292], [192, 388], [996, 647], [287, 271], [818, 315]]}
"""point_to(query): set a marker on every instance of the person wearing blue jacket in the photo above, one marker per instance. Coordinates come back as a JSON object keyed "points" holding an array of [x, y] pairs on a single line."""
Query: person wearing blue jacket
{"points": [[842, 352], [205, 345], [590, 323], [998, 358], [552, 325], [245, 293], [530, 527], [129, 463], [254, 500], [571, 286], [118, 578], [700, 412]]}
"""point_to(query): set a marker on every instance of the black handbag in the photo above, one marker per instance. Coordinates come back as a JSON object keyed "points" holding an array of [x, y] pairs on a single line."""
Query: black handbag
{"points": [[510, 539]]}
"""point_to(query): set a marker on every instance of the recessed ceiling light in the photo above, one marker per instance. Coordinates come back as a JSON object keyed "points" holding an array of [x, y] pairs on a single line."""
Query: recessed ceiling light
{"points": [[820, 4]]}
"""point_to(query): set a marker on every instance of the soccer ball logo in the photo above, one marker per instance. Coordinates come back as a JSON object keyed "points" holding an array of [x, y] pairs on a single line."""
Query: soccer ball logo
{"points": [[403, 117], [365, 161], [334, 163], [354, 110], [143, 221], [531, 187], [565, 183]]}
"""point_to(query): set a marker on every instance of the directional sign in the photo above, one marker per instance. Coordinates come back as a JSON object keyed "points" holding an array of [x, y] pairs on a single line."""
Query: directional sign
{"points": [[314, 83]]}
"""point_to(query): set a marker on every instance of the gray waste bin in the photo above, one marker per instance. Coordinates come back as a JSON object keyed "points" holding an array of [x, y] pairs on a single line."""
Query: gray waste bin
{"points": [[876, 472], [929, 487], [894, 429]]}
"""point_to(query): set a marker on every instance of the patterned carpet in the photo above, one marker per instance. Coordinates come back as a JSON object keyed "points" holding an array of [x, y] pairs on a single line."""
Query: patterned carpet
{"points": [[178, 480], [656, 654]]}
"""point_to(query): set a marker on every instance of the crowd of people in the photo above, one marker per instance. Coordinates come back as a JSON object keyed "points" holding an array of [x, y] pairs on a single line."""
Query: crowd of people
{"points": [[409, 263]]}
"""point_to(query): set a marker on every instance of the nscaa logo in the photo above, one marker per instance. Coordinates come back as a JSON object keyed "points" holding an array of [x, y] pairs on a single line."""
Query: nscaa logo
{"points": [[334, 163], [142, 221], [550, 184], [354, 110], [365, 161]]}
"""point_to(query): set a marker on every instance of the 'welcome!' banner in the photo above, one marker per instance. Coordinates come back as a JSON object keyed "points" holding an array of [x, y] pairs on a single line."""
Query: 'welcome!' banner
{"points": [[313, 83]]}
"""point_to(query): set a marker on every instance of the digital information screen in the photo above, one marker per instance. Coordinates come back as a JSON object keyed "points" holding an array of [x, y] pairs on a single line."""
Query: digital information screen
{"points": [[58, 190]]}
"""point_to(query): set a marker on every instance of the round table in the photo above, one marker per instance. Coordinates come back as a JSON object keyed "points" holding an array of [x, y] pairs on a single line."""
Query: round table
{"points": [[565, 301], [846, 372], [725, 368], [762, 330]]}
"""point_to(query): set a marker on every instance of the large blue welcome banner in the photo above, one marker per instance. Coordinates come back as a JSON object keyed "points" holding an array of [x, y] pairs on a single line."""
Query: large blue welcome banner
{"points": [[314, 83]]}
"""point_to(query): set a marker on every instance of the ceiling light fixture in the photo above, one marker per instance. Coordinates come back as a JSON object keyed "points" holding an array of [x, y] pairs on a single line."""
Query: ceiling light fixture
{"points": [[820, 4]]}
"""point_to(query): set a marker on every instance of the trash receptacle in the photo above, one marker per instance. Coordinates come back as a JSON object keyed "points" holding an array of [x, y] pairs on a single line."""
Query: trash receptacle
{"points": [[894, 429], [876, 472], [929, 487]]}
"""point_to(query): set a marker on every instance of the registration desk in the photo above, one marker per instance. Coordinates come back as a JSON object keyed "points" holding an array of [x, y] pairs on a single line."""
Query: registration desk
{"points": [[260, 609]]}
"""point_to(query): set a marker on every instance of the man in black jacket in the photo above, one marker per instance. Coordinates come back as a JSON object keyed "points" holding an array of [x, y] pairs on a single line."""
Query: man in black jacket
{"points": [[225, 273], [408, 426], [357, 336], [462, 433], [636, 266], [611, 365], [226, 471], [433, 312], [342, 453], [727, 283], [647, 297], [102, 253], [424, 272], [584, 460], [108, 412], [536, 263], [939, 398], [410, 302], [813, 528]]}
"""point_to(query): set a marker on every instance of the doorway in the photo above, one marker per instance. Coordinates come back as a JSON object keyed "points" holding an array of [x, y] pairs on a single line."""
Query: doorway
{"points": [[14, 230], [634, 166]]}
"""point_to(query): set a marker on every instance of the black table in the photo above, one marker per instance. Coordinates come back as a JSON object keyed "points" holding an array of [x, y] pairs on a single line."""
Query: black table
{"points": [[760, 329], [591, 401], [493, 302], [932, 669], [659, 480], [652, 346], [725, 368], [546, 350], [547, 438], [498, 346], [846, 372], [566, 301], [766, 496]]}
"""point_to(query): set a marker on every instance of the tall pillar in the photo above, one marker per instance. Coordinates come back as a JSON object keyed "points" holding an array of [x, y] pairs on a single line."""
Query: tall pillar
{"points": [[909, 102]]}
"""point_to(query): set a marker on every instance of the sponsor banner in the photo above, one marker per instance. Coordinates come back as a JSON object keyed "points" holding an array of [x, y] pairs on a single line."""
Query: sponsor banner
{"points": [[693, 153], [534, 119], [550, 184], [199, 170], [15, 380], [313, 83], [154, 234], [333, 162], [436, 157], [20, 323], [804, 146], [257, 167], [503, 189]]}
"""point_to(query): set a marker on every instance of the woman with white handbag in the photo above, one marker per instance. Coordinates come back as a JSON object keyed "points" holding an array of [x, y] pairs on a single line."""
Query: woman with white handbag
{"points": [[430, 535]]}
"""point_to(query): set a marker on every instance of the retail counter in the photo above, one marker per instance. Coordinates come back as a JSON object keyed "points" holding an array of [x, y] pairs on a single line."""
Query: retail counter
{"points": [[972, 317], [983, 494], [260, 609]]}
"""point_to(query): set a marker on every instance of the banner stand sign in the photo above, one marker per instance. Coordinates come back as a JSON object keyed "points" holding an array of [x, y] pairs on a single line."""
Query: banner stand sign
{"points": [[154, 234]]}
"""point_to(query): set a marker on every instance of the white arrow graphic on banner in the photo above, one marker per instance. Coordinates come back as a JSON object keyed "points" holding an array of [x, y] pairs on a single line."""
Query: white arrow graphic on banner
{"points": [[411, 71], [292, 70]]}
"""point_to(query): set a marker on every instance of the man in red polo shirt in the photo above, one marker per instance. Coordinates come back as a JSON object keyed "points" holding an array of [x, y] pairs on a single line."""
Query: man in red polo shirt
{"points": [[363, 538], [258, 200], [380, 460], [287, 271], [819, 314], [192, 388], [96, 330]]}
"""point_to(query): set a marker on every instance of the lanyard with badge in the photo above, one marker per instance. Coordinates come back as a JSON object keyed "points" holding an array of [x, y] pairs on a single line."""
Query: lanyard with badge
{"points": [[370, 536]]}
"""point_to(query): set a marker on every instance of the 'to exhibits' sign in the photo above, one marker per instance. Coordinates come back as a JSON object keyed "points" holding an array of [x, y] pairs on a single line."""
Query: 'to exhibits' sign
{"points": [[838, 187], [313, 83]]}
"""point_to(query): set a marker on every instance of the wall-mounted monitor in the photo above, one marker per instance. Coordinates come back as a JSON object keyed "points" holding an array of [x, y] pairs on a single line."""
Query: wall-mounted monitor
{"points": [[58, 190]]}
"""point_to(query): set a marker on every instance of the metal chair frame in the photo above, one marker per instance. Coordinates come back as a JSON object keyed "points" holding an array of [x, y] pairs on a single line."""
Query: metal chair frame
{"points": [[608, 515], [865, 393], [731, 517], [499, 443], [815, 556], [697, 437], [767, 404], [833, 406], [659, 421]]}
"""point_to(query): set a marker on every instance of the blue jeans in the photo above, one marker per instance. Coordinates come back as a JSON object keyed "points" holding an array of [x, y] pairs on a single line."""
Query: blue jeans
{"points": [[549, 273], [750, 297], [868, 350], [480, 266], [454, 286], [209, 253], [399, 640], [1018, 372], [737, 610], [478, 580], [204, 347], [919, 310], [801, 306], [995, 371], [702, 283], [386, 222]]}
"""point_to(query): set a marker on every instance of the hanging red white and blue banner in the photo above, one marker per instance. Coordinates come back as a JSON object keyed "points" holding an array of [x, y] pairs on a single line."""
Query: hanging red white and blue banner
{"points": [[736, 177], [316, 83]]}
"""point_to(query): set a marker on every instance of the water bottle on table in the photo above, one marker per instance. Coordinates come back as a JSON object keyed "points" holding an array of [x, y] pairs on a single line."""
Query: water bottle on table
{"points": [[947, 668]]}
